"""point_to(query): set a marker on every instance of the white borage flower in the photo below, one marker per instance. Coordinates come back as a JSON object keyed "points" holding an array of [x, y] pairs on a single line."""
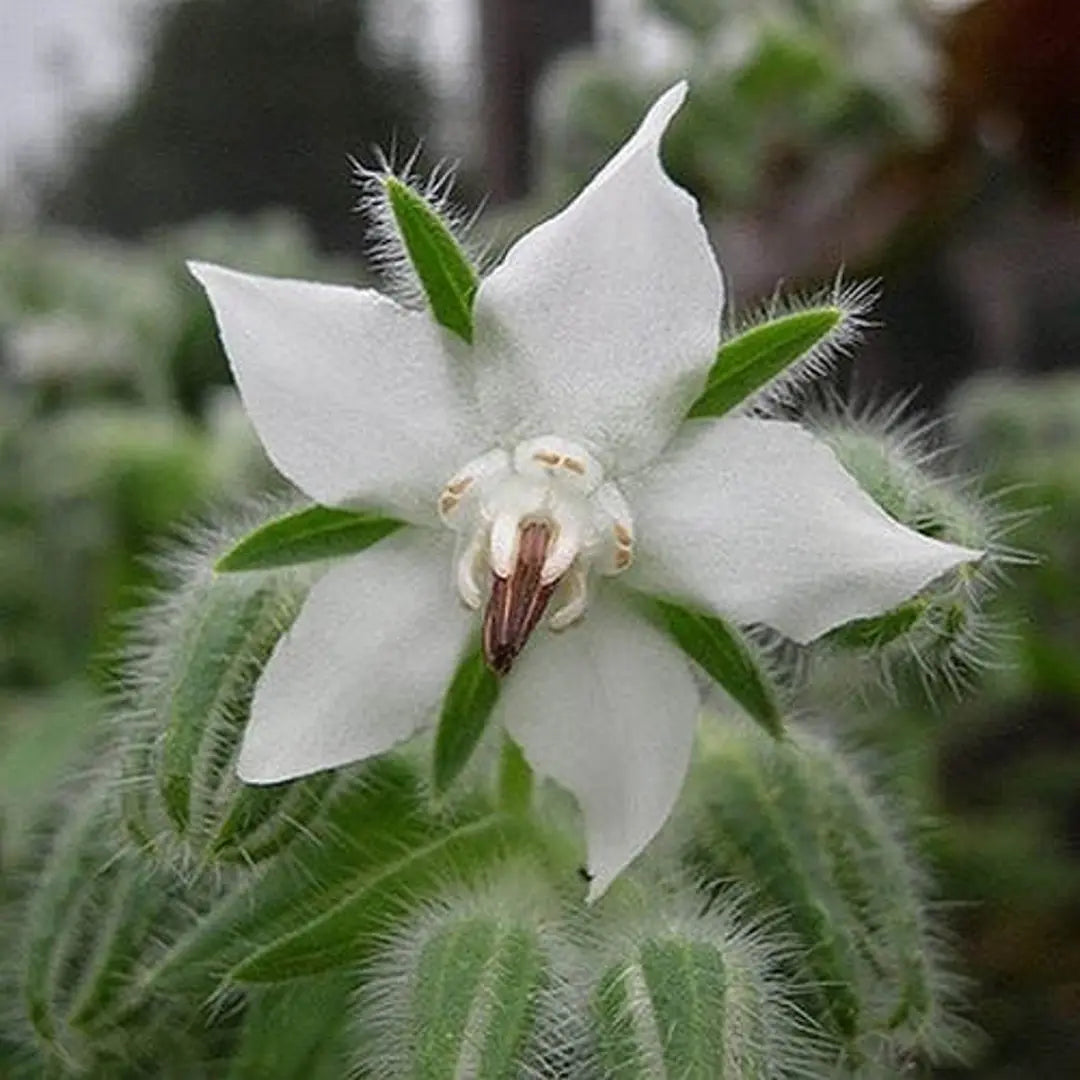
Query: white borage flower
{"points": [[549, 465]]}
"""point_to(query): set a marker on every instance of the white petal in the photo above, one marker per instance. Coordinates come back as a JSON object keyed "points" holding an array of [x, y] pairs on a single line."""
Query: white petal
{"points": [[353, 396], [602, 322], [757, 521], [364, 665], [607, 708]]}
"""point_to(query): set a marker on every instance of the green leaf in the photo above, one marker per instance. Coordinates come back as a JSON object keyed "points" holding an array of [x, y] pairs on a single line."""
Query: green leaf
{"points": [[261, 821], [448, 278], [722, 652], [752, 359], [296, 1031], [342, 933], [375, 851], [319, 532], [466, 710]]}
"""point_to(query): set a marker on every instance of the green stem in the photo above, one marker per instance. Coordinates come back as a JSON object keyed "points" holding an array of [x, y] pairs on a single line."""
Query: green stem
{"points": [[515, 779]]}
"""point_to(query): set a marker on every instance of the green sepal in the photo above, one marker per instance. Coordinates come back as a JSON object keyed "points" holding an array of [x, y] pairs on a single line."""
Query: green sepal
{"points": [[466, 710], [89, 920], [448, 278], [881, 630], [318, 532], [724, 655], [54, 917], [749, 361]]}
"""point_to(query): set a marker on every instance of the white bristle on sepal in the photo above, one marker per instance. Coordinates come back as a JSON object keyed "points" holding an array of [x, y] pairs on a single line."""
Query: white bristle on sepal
{"points": [[852, 300], [386, 249]]}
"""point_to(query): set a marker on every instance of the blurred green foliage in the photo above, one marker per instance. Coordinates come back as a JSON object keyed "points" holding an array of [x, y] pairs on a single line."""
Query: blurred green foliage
{"points": [[778, 89], [1008, 763], [116, 423]]}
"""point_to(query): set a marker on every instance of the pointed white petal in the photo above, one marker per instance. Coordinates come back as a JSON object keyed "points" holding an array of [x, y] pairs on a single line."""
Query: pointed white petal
{"points": [[757, 521], [351, 394], [606, 708], [601, 323], [364, 665]]}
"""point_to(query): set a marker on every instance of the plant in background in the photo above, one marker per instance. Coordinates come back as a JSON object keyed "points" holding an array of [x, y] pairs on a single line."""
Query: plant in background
{"points": [[551, 503]]}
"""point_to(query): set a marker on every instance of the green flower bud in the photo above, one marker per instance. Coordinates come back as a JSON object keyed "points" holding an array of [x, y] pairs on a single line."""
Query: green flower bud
{"points": [[701, 997], [469, 987], [799, 823], [187, 681], [944, 633]]}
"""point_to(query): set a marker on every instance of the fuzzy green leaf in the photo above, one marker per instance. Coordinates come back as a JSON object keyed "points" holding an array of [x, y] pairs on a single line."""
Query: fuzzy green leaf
{"points": [[296, 1031], [751, 360], [373, 852], [722, 652], [327, 936], [466, 710], [261, 821], [319, 532], [448, 278]]}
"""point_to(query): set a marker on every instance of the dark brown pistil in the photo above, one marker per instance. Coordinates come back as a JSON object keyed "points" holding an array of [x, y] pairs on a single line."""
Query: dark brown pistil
{"points": [[517, 602]]}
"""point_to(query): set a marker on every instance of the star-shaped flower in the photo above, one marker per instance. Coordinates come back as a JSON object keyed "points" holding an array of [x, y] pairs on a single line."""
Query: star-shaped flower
{"points": [[546, 472]]}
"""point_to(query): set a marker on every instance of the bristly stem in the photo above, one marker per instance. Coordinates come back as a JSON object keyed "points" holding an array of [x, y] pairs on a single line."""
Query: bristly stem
{"points": [[515, 779]]}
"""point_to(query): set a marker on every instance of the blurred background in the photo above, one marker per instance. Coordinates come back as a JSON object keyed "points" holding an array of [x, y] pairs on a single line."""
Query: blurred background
{"points": [[932, 143]]}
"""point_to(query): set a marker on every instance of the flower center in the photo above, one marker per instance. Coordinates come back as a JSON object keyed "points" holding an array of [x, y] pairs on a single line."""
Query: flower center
{"points": [[532, 524]]}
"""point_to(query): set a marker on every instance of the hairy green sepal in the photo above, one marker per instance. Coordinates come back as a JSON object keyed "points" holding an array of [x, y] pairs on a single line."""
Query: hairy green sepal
{"points": [[751, 360], [466, 710], [319, 532], [725, 656], [448, 278], [878, 632]]}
